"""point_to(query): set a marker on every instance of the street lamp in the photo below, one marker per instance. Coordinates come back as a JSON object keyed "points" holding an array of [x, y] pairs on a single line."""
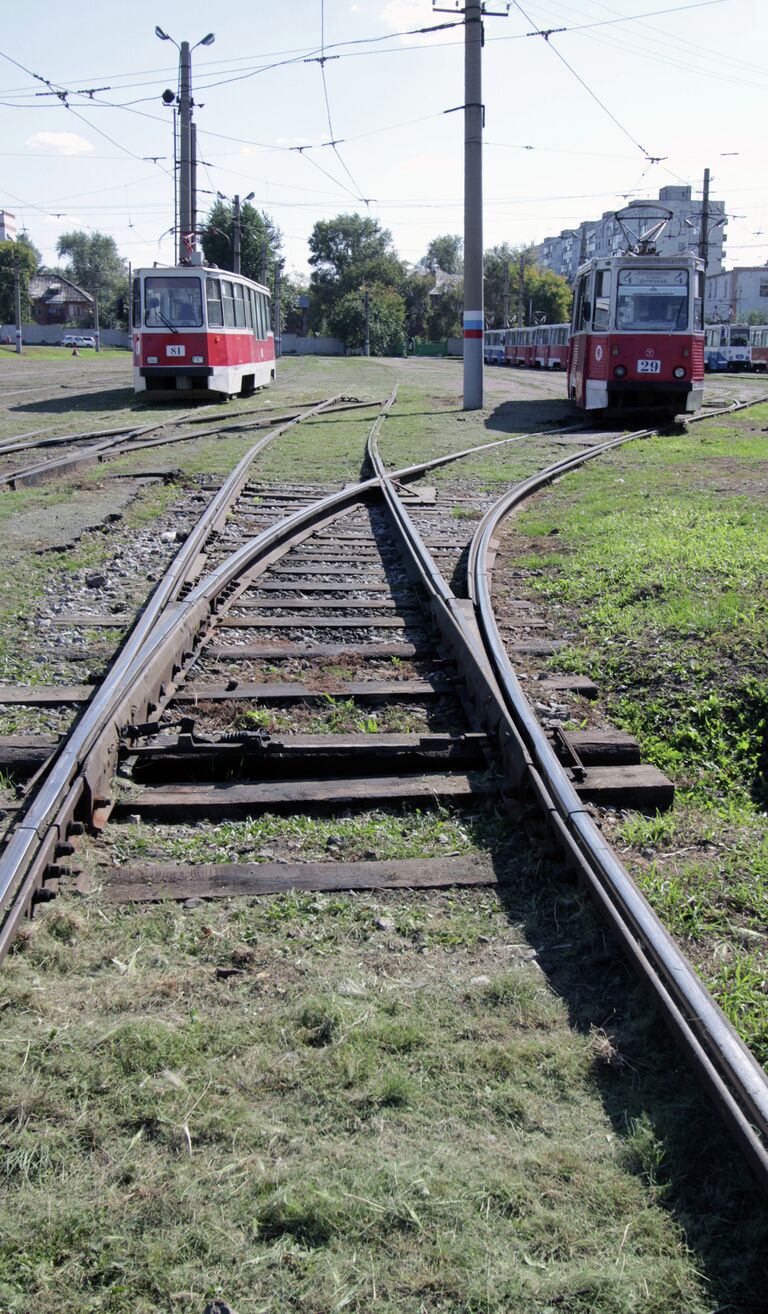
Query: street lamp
{"points": [[236, 230], [186, 236]]}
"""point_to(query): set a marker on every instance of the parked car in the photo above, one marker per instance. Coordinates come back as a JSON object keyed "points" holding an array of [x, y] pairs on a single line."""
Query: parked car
{"points": [[77, 340]]}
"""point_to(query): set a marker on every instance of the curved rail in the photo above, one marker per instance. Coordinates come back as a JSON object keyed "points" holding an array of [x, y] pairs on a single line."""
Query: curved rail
{"points": [[151, 657], [44, 823], [733, 1076]]}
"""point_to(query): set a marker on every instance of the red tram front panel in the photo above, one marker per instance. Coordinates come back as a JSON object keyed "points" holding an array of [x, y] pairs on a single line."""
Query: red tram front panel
{"points": [[200, 330], [633, 342]]}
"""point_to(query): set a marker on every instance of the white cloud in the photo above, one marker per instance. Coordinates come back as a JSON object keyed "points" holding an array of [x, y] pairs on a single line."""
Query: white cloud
{"points": [[63, 143]]}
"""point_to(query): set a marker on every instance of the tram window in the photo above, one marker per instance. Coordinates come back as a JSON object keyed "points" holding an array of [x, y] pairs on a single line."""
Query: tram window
{"points": [[136, 301], [579, 293], [652, 300], [263, 320], [698, 299], [228, 302], [602, 299], [248, 308], [173, 302], [740, 336], [213, 298], [239, 306]]}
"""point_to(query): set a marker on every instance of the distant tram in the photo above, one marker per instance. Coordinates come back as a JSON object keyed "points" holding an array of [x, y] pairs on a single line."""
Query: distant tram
{"points": [[542, 347], [727, 347], [758, 348], [200, 331]]}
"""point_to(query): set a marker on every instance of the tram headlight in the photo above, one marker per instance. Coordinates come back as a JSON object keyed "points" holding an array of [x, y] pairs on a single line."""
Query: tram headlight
{"points": [[197, 360], [151, 360], [619, 371], [679, 372]]}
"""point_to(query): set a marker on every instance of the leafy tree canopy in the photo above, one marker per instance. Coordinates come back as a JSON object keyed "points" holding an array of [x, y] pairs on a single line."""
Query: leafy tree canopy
{"points": [[260, 240], [93, 262], [386, 314], [756, 317], [24, 239], [291, 313], [28, 257], [445, 253], [346, 253], [445, 315], [544, 293]]}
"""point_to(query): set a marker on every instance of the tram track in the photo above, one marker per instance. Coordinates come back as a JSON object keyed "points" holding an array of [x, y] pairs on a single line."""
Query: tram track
{"points": [[322, 581], [100, 445]]}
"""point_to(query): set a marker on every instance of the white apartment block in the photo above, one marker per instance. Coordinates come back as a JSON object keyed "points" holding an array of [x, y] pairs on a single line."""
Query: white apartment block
{"points": [[7, 226], [733, 294], [603, 237]]}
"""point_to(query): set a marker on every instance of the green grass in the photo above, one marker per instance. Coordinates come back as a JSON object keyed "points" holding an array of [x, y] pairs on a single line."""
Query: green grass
{"points": [[376, 1102], [319, 1102], [658, 570]]}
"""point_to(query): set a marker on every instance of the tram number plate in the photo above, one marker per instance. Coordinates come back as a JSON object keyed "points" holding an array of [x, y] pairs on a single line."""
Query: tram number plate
{"points": [[649, 367], [175, 351]]}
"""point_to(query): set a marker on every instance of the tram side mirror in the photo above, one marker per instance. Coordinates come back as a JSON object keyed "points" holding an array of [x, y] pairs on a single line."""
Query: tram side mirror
{"points": [[586, 310]]}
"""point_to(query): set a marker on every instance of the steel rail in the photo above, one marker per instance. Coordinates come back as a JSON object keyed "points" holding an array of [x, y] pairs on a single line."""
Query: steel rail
{"points": [[78, 773], [43, 824], [727, 1067], [119, 442]]}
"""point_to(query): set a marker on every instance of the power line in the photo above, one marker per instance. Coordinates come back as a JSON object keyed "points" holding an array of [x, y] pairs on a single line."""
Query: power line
{"points": [[585, 85]]}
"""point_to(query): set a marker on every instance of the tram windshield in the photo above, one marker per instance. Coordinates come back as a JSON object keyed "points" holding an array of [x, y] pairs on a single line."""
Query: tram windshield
{"points": [[652, 299], [739, 335], [173, 302]]}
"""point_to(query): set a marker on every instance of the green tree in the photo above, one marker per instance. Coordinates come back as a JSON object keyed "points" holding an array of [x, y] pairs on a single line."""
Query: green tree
{"points": [[386, 315], [28, 257], [547, 294], [445, 253], [415, 290], [260, 241], [291, 313], [24, 239], [756, 317], [445, 316], [544, 293], [93, 262], [347, 252]]}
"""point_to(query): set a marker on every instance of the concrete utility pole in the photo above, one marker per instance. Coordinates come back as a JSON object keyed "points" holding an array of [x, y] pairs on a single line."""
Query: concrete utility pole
{"points": [[236, 235], [193, 182], [506, 294], [96, 321], [704, 232], [185, 148], [521, 292], [367, 342], [130, 301], [278, 329], [473, 206], [17, 301]]}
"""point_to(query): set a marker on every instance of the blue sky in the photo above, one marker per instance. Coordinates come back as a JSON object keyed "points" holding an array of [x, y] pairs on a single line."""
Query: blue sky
{"points": [[688, 85]]}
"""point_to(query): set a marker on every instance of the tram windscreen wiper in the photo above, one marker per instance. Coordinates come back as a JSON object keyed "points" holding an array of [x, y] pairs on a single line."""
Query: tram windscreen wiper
{"points": [[167, 322]]}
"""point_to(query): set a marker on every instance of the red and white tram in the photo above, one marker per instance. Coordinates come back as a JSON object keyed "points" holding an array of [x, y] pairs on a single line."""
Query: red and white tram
{"points": [[637, 337], [200, 331]]}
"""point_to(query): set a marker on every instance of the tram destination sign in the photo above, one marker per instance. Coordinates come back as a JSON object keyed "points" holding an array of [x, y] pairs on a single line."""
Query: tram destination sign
{"points": [[674, 282]]}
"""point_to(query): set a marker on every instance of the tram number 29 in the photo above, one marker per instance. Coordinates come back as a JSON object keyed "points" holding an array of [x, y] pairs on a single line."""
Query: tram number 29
{"points": [[649, 367]]}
